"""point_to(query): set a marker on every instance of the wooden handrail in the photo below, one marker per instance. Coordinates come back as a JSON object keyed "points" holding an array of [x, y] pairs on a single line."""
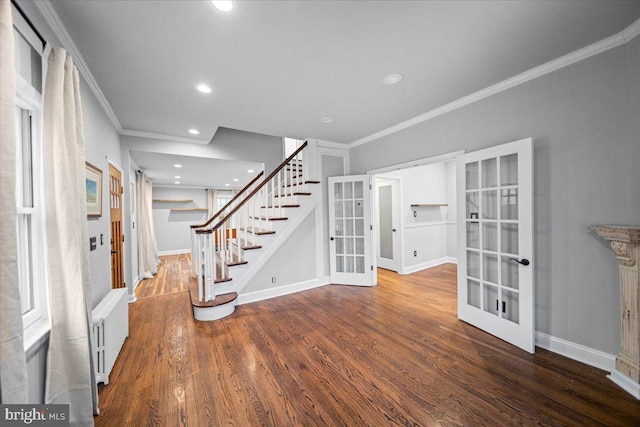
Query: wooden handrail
{"points": [[210, 220], [254, 192]]}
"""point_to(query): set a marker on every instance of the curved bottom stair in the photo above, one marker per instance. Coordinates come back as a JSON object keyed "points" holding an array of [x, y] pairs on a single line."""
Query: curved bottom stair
{"points": [[224, 305]]}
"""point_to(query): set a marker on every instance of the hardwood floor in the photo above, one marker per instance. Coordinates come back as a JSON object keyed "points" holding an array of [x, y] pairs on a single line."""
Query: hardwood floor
{"points": [[394, 354]]}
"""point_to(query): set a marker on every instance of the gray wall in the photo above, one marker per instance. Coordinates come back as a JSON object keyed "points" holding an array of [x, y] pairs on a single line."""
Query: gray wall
{"points": [[298, 254], [173, 232], [585, 123]]}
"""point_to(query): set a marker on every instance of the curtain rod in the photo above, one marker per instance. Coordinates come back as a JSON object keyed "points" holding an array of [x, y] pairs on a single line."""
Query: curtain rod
{"points": [[26, 18]]}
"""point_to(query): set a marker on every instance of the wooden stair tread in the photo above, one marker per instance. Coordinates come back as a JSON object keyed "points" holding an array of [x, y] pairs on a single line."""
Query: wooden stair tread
{"points": [[258, 231], [282, 206], [272, 218], [219, 300], [246, 245], [234, 260], [296, 193], [301, 183]]}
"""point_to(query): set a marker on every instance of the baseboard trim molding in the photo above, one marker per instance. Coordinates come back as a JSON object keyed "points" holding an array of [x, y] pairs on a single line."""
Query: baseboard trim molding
{"points": [[625, 383], [174, 252], [581, 353], [428, 264], [279, 291]]}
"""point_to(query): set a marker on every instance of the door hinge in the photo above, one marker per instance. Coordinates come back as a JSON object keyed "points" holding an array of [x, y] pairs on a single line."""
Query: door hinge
{"points": [[371, 227], [372, 268], [123, 237], [370, 187]]}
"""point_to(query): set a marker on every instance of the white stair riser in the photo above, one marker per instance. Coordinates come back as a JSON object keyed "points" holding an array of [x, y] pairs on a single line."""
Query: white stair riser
{"points": [[214, 313]]}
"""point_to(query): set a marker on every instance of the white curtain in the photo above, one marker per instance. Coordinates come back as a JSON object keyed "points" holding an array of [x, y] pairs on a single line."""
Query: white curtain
{"points": [[212, 202], [13, 365], [148, 259], [70, 371]]}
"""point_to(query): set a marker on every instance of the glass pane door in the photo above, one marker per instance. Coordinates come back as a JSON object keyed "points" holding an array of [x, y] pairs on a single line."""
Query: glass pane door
{"points": [[349, 218], [495, 241], [492, 235]]}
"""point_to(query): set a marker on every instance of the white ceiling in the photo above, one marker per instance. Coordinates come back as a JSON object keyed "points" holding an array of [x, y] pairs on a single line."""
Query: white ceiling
{"points": [[278, 67], [195, 171]]}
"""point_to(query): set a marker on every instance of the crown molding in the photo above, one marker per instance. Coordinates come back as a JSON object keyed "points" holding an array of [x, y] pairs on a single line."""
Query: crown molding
{"points": [[54, 21], [631, 32], [622, 37], [163, 137]]}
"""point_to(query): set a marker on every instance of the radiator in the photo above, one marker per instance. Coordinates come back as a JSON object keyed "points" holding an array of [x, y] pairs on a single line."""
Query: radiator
{"points": [[110, 328]]}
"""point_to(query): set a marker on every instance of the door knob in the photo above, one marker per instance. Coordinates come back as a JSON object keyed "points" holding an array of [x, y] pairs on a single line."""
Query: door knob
{"points": [[331, 238], [114, 252], [523, 261], [393, 229]]}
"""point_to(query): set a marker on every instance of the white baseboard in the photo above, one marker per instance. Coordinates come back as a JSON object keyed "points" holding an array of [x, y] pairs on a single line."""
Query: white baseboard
{"points": [[174, 252], [625, 383], [428, 264], [581, 353], [281, 290], [132, 295]]}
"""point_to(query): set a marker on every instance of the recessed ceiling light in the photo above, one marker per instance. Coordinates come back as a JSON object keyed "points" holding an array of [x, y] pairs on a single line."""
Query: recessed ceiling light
{"points": [[176, 182], [235, 180], [177, 177], [223, 5], [194, 131], [226, 185], [392, 79], [326, 119], [201, 87], [177, 165], [250, 171]]}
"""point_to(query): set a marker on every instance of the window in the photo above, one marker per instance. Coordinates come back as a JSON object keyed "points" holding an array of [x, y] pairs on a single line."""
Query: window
{"points": [[28, 212], [223, 199], [29, 192]]}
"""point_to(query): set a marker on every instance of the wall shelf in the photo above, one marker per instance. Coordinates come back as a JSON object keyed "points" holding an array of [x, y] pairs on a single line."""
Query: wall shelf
{"points": [[188, 209], [425, 205], [173, 200]]}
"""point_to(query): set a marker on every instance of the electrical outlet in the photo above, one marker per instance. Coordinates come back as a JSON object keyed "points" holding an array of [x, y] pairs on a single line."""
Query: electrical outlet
{"points": [[273, 280], [415, 253]]}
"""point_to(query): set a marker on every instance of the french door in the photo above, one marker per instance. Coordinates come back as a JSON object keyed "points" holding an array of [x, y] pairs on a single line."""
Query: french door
{"points": [[350, 231], [495, 242]]}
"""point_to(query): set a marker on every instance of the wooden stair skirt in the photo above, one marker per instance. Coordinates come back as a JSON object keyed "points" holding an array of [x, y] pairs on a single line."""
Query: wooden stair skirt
{"points": [[222, 306]]}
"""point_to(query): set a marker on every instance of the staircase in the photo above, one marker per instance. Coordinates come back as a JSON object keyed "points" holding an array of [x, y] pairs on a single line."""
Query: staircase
{"points": [[229, 249]]}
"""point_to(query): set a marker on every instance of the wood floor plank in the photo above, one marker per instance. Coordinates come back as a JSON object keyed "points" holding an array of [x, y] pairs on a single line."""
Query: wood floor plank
{"points": [[395, 354]]}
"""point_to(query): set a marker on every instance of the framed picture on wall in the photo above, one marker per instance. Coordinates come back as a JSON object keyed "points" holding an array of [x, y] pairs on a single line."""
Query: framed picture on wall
{"points": [[94, 190]]}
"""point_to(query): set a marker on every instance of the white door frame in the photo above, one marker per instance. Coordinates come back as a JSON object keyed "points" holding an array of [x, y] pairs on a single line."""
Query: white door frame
{"points": [[387, 169], [322, 233], [398, 221]]}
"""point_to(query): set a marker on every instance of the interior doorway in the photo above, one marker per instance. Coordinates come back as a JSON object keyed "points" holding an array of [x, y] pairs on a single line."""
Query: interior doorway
{"points": [[418, 201], [388, 217]]}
